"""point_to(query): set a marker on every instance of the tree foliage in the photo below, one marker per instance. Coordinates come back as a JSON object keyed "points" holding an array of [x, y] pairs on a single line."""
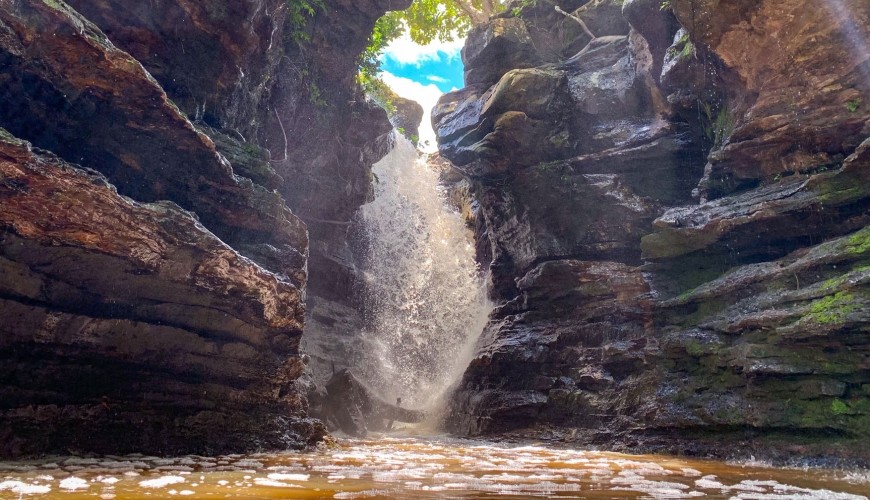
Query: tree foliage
{"points": [[388, 28], [298, 14], [427, 21]]}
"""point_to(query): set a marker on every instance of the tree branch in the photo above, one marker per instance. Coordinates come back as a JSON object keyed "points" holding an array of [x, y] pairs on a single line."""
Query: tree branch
{"points": [[488, 8], [578, 20], [476, 16], [282, 131]]}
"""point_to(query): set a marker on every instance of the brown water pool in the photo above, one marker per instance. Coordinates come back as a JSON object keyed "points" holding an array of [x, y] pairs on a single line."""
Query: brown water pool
{"points": [[421, 468]]}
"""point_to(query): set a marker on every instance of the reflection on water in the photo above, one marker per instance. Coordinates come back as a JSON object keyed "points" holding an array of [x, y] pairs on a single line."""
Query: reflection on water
{"points": [[416, 468]]}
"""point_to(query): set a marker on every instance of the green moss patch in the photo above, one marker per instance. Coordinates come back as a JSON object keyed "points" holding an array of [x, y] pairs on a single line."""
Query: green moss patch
{"points": [[859, 243], [833, 309], [838, 407]]}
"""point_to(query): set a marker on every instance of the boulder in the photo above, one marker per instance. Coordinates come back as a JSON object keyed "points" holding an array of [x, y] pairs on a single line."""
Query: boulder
{"points": [[503, 128], [602, 17], [407, 117], [355, 409], [782, 338], [279, 81], [655, 24], [163, 291], [494, 48], [683, 74], [247, 158], [655, 158], [533, 218], [229, 44], [456, 121], [541, 360], [602, 81]]}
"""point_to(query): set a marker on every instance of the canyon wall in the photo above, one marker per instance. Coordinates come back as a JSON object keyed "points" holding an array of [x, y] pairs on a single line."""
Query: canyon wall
{"points": [[675, 217], [173, 175]]}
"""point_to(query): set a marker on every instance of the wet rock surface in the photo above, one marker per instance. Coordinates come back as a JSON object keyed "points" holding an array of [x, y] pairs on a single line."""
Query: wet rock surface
{"points": [[803, 81], [353, 408], [152, 263], [124, 315], [673, 230]]}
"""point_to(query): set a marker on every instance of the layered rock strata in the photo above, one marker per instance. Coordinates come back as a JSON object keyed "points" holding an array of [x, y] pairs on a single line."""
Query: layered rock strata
{"points": [[129, 326], [153, 268], [674, 215]]}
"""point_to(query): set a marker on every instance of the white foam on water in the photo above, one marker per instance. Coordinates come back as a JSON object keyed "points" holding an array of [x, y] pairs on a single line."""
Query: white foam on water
{"points": [[398, 475], [751, 462], [249, 464], [262, 481], [456, 486], [402, 468], [161, 482], [73, 483], [453, 476], [546, 477], [289, 477], [23, 488], [362, 494], [857, 477], [542, 487], [709, 482]]}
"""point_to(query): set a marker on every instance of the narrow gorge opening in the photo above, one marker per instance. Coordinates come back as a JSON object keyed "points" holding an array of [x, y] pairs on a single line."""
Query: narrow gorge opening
{"points": [[226, 270]]}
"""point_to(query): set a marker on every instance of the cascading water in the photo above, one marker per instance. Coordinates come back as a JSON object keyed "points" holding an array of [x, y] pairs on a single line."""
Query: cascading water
{"points": [[424, 296]]}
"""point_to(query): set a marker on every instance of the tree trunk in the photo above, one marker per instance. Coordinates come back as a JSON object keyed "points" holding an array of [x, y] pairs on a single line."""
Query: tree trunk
{"points": [[488, 8], [476, 16]]}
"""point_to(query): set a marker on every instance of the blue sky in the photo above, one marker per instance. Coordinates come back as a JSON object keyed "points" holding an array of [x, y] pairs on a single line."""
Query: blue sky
{"points": [[444, 70], [423, 73]]}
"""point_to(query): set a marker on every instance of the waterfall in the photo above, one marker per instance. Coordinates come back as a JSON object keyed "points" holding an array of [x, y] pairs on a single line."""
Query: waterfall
{"points": [[424, 297]]}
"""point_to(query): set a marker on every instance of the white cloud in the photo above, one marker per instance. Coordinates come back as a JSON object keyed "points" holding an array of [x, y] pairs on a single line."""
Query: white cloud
{"points": [[426, 95], [404, 51], [436, 79]]}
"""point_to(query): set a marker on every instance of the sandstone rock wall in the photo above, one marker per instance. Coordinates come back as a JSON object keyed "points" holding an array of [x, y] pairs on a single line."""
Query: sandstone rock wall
{"points": [[154, 275], [674, 216]]}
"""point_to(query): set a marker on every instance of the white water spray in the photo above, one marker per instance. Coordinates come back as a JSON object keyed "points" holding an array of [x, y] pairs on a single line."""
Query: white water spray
{"points": [[425, 298]]}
